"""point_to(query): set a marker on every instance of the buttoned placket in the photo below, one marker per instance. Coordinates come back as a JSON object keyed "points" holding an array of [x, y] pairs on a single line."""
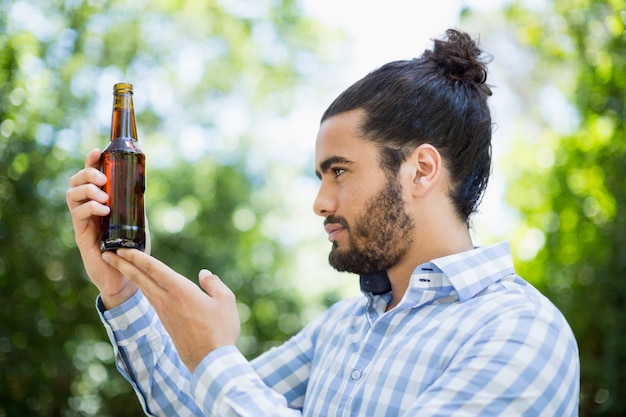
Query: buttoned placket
{"points": [[423, 292], [376, 317]]}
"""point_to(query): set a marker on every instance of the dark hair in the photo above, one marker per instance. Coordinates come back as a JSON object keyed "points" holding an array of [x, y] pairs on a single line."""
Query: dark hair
{"points": [[438, 98]]}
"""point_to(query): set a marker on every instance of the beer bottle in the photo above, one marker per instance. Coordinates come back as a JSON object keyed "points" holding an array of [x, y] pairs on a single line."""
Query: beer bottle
{"points": [[123, 163]]}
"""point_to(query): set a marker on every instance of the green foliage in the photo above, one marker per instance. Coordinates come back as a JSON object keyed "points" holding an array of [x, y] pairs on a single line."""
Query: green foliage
{"points": [[570, 187], [187, 59]]}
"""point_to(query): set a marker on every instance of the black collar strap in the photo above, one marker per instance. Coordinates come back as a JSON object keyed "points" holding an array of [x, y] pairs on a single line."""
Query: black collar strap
{"points": [[376, 283]]}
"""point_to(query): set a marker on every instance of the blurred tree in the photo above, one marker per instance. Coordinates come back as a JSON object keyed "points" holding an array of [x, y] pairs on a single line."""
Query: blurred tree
{"points": [[187, 60], [568, 182]]}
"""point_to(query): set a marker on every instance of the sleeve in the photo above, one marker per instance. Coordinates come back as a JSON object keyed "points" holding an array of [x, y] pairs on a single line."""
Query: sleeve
{"points": [[273, 385], [518, 365], [147, 358]]}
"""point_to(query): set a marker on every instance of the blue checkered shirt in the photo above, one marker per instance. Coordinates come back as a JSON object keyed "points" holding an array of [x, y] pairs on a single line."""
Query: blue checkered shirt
{"points": [[469, 338]]}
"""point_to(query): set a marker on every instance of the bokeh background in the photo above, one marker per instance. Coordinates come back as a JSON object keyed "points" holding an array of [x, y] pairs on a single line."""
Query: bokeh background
{"points": [[228, 95]]}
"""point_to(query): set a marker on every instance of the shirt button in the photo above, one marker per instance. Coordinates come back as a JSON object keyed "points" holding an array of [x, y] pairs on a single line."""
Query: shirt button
{"points": [[356, 374], [123, 325]]}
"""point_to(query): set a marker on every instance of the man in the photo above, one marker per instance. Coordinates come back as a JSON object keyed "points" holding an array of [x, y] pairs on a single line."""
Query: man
{"points": [[443, 328]]}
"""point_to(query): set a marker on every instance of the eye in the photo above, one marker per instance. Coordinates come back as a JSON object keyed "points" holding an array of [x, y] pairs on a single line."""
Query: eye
{"points": [[338, 171]]}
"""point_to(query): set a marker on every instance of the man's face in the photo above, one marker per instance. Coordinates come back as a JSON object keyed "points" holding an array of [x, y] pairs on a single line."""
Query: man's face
{"points": [[365, 214]]}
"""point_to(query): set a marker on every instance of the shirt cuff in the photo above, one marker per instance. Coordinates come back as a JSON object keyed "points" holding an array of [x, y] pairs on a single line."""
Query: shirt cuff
{"points": [[127, 321]]}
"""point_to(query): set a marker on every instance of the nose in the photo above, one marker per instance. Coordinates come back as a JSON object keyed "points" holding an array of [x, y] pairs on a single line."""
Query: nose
{"points": [[325, 203]]}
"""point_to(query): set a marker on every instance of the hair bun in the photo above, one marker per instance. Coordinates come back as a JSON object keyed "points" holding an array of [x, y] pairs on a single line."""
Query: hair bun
{"points": [[460, 57]]}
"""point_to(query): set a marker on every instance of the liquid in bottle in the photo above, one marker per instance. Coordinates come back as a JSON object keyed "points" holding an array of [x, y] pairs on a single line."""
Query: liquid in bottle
{"points": [[123, 162]]}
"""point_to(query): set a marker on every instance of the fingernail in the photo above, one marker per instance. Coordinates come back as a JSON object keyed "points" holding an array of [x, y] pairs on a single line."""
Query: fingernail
{"points": [[106, 257], [204, 272]]}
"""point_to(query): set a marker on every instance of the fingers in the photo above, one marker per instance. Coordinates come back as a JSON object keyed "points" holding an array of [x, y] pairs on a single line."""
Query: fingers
{"points": [[140, 272], [85, 185], [86, 201], [154, 277], [205, 273], [83, 193], [92, 160], [87, 210], [149, 274], [213, 286], [91, 173]]}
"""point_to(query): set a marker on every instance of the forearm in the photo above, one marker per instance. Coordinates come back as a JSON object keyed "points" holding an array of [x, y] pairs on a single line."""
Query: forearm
{"points": [[146, 357], [274, 384], [226, 384]]}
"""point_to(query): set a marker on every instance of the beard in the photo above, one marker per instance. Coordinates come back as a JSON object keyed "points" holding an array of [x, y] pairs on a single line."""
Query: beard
{"points": [[379, 238]]}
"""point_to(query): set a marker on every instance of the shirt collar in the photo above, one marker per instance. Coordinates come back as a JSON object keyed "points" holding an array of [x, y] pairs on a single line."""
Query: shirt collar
{"points": [[467, 273]]}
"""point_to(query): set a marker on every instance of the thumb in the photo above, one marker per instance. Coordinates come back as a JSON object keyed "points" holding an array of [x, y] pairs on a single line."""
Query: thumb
{"points": [[212, 284]]}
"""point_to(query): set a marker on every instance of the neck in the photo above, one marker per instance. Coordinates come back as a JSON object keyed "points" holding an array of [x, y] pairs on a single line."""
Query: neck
{"points": [[444, 239]]}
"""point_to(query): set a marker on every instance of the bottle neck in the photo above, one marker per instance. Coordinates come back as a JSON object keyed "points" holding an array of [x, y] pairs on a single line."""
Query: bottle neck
{"points": [[123, 119]]}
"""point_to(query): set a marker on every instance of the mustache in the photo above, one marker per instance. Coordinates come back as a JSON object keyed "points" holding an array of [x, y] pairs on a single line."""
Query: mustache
{"points": [[332, 219]]}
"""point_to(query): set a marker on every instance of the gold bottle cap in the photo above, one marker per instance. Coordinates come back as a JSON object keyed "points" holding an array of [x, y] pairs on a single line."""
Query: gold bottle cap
{"points": [[120, 87]]}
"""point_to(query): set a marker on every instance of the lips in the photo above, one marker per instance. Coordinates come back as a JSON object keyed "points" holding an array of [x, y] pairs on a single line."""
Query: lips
{"points": [[333, 229]]}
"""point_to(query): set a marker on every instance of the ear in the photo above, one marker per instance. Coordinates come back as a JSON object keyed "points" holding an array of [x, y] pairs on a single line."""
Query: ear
{"points": [[425, 169]]}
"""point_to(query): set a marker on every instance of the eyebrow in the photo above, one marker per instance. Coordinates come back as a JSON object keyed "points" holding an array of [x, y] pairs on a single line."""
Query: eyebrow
{"points": [[328, 162]]}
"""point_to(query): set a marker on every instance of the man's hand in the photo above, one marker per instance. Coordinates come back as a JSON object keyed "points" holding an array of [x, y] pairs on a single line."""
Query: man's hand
{"points": [[87, 204], [198, 322]]}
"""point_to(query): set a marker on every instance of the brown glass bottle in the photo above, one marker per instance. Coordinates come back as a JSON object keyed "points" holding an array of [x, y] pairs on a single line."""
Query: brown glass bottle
{"points": [[123, 162]]}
